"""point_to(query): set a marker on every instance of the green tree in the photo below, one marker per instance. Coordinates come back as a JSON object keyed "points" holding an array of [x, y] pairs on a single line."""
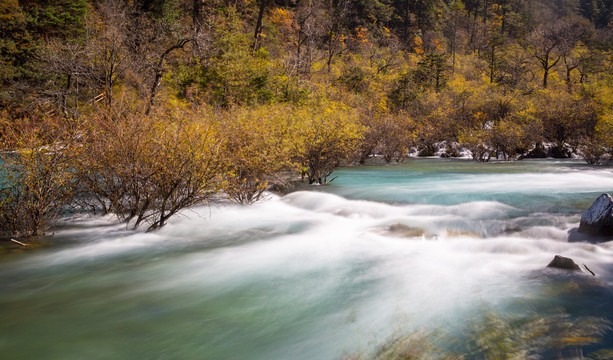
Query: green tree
{"points": [[24, 26], [433, 71]]}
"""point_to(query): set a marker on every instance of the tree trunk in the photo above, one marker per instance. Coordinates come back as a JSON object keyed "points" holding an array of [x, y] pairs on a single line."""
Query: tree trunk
{"points": [[437, 77], [330, 54], [258, 26], [485, 11], [144, 5], [154, 89], [196, 14], [453, 45], [492, 62], [64, 96], [546, 67], [159, 72], [406, 21], [504, 16]]}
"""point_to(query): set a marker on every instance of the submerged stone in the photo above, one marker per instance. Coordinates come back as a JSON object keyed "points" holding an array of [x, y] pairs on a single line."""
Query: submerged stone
{"points": [[575, 236], [598, 219], [460, 233], [507, 229], [403, 230], [561, 262]]}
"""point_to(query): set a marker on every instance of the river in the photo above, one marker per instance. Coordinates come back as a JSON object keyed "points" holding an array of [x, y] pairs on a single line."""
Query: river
{"points": [[324, 272]]}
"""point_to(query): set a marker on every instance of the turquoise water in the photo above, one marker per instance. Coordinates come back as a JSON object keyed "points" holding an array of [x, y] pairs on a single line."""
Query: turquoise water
{"points": [[530, 185], [320, 273]]}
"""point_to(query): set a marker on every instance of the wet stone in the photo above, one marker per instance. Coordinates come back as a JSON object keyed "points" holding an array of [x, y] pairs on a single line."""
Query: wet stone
{"points": [[403, 230], [598, 219], [561, 262]]}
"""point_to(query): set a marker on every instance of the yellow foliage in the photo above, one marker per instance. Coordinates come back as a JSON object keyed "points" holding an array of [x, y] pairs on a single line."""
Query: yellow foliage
{"points": [[282, 17], [258, 145], [328, 133], [38, 176], [148, 168]]}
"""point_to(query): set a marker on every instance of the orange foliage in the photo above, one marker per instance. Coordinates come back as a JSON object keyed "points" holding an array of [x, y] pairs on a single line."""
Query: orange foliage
{"points": [[361, 35], [282, 17], [418, 47]]}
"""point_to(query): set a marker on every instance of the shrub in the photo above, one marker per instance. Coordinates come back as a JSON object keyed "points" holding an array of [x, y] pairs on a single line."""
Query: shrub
{"points": [[147, 169], [327, 135], [257, 149], [38, 178]]}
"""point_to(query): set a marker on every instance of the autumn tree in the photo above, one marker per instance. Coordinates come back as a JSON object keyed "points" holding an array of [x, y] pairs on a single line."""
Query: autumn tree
{"points": [[145, 170], [326, 137], [576, 33], [455, 18], [308, 33], [257, 150], [39, 181], [334, 33], [389, 136], [396, 137], [550, 41], [545, 42], [566, 118]]}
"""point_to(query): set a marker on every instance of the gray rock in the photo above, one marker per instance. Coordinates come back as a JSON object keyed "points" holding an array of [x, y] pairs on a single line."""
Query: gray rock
{"points": [[561, 262], [598, 219]]}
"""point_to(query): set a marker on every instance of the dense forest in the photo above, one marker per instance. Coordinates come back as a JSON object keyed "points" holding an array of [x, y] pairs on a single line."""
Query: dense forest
{"points": [[143, 108]]}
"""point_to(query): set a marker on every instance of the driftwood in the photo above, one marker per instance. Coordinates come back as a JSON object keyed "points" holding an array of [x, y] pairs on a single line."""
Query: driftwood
{"points": [[588, 269], [19, 242]]}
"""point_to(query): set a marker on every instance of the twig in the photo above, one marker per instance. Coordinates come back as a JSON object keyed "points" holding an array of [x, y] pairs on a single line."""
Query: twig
{"points": [[588, 269], [19, 242]]}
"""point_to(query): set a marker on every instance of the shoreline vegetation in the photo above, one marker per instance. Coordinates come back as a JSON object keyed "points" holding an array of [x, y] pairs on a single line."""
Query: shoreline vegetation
{"points": [[79, 206], [140, 109]]}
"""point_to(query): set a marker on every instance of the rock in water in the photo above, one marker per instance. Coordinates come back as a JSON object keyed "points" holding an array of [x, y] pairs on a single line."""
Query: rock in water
{"points": [[561, 262], [403, 230], [598, 219]]}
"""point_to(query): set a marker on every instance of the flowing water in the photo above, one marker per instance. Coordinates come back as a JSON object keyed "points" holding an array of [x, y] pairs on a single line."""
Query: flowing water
{"points": [[320, 273]]}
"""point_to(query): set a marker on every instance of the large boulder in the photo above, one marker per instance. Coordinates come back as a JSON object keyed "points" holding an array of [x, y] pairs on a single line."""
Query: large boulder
{"points": [[598, 219], [561, 262]]}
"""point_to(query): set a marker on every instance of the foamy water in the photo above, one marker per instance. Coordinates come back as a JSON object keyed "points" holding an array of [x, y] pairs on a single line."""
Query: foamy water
{"points": [[315, 274]]}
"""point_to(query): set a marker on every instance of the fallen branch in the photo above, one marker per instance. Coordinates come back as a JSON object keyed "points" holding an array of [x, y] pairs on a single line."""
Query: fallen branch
{"points": [[588, 269], [19, 242]]}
